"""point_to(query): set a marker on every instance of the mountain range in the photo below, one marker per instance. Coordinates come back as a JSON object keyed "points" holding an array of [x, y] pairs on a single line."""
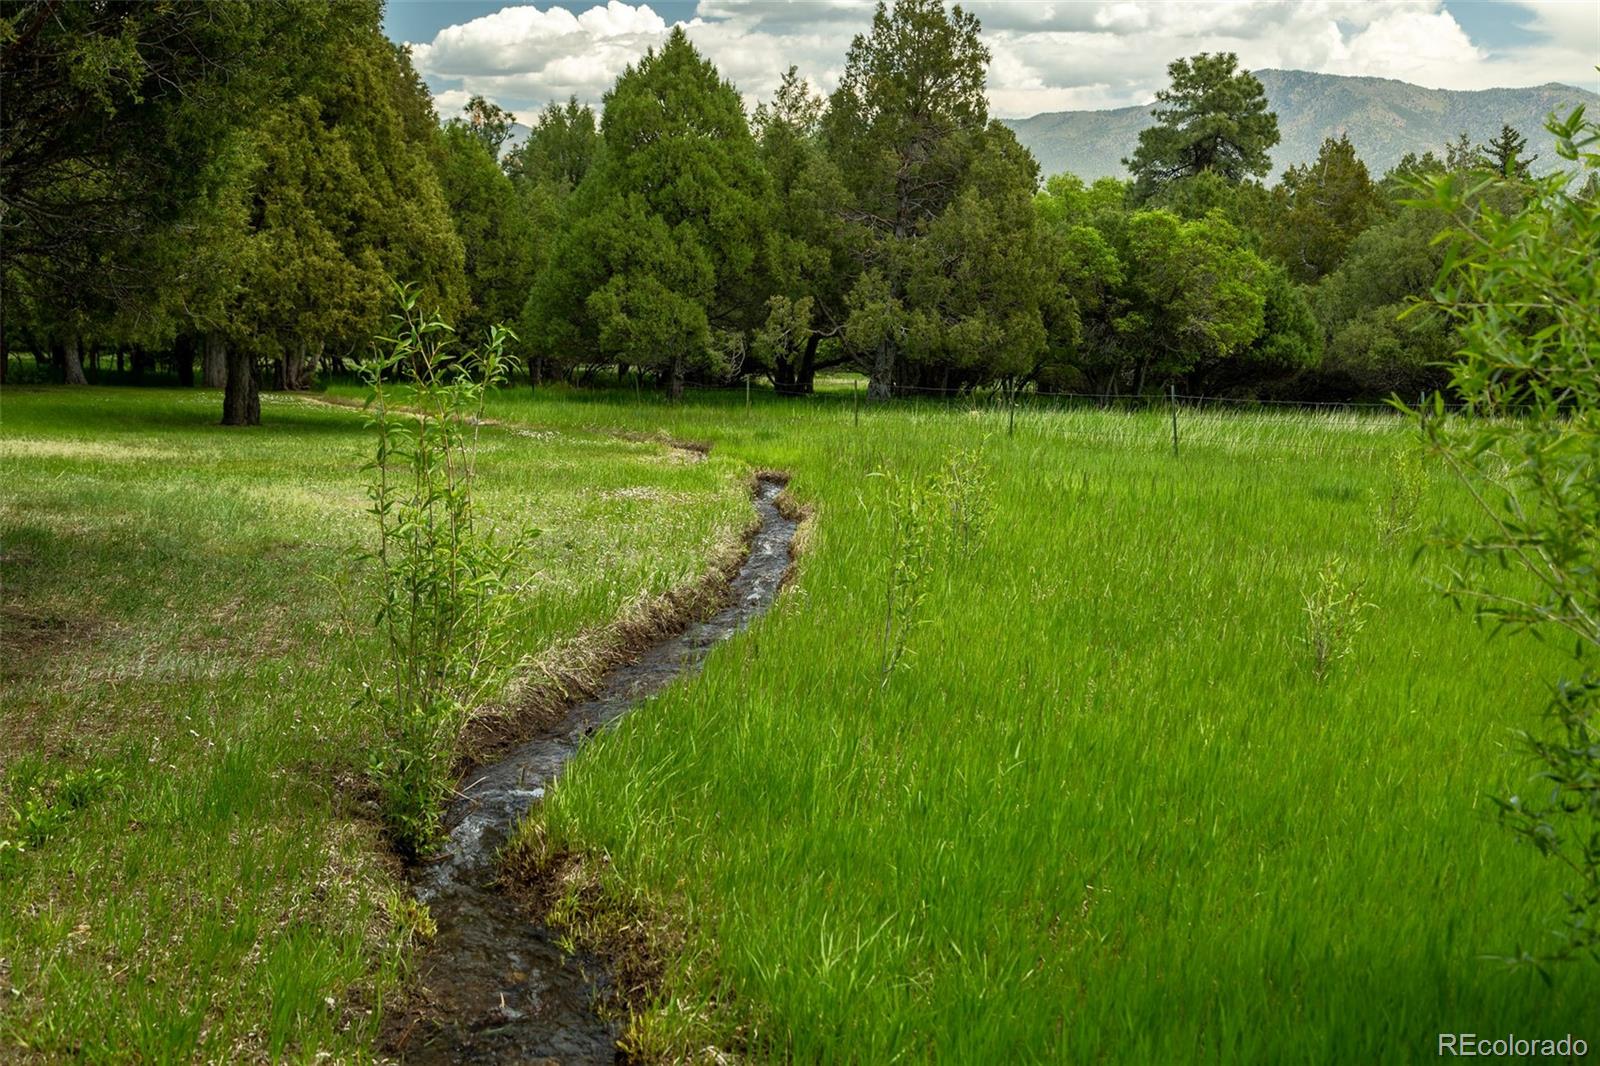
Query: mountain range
{"points": [[1384, 119]]}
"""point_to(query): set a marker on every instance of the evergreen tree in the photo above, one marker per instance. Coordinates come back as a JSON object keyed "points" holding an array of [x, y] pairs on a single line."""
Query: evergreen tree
{"points": [[1461, 155], [560, 148], [346, 204], [805, 252], [1504, 154], [662, 237], [1213, 118], [1319, 208], [906, 126], [489, 123], [499, 243]]}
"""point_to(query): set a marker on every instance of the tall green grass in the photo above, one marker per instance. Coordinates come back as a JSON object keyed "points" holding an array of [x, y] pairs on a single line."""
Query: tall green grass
{"points": [[1105, 810], [181, 748]]}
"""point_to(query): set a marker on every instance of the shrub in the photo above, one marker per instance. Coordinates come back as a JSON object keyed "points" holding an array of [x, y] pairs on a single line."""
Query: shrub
{"points": [[1520, 285], [444, 579]]}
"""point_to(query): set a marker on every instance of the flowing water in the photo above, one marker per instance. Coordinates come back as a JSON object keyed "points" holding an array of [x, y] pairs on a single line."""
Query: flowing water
{"points": [[500, 989]]}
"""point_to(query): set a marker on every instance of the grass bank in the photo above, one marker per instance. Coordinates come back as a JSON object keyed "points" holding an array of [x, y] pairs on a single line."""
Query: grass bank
{"points": [[1107, 811], [199, 875]]}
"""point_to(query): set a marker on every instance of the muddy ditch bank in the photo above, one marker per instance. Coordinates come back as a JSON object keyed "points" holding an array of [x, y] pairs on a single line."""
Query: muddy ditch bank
{"points": [[495, 987]]}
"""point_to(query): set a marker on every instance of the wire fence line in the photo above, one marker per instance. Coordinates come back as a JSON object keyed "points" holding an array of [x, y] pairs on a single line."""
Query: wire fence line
{"points": [[1174, 421], [999, 394]]}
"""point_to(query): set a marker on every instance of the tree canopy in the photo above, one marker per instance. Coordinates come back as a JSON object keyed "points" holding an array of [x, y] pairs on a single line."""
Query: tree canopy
{"points": [[245, 184], [1213, 119]]}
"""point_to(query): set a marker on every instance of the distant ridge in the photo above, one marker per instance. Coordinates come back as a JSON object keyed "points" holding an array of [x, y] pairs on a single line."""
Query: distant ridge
{"points": [[1384, 118]]}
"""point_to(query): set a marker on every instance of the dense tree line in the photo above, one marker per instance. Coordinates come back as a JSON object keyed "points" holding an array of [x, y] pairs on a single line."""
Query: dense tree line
{"points": [[241, 187]]}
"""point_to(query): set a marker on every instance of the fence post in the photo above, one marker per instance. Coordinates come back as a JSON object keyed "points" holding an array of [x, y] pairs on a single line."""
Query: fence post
{"points": [[1172, 402]]}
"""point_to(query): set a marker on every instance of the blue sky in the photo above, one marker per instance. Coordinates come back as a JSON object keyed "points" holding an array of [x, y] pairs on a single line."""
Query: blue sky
{"points": [[1048, 55]]}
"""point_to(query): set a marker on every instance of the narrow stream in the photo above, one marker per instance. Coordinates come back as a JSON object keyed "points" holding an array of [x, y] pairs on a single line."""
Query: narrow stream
{"points": [[499, 988]]}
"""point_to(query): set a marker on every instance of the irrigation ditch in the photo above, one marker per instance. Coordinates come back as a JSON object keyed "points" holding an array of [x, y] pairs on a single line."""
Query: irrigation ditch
{"points": [[497, 986]]}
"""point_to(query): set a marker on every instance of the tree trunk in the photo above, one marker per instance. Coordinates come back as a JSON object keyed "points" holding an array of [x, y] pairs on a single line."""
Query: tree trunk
{"points": [[183, 358], [675, 380], [214, 361], [535, 372], [785, 375], [138, 360], [806, 379], [121, 366], [71, 362], [881, 384], [294, 367], [241, 400]]}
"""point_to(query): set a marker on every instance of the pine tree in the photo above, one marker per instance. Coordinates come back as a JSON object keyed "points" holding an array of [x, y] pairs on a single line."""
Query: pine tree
{"points": [[1213, 119], [1504, 153], [490, 123]]}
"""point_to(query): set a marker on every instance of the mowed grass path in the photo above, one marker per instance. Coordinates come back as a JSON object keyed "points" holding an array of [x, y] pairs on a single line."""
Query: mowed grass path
{"points": [[179, 753], [1106, 813]]}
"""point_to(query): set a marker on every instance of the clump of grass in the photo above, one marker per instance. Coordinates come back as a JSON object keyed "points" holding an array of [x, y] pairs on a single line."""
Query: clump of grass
{"points": [[445, 581], [966, 488], [1400, 504], [913, 506], [1335, 615]]}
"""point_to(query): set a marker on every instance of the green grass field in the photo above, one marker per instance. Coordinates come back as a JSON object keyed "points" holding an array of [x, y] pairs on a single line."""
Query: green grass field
{"points": [[1105, 812], [202, 876]]}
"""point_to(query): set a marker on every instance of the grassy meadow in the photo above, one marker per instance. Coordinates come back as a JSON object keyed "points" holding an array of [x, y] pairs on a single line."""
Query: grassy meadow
{"points": [[190, 865], [1106, 811]]}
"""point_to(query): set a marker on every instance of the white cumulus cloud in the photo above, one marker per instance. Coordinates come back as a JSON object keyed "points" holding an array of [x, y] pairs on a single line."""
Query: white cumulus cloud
{"points": [[1047, 56]]}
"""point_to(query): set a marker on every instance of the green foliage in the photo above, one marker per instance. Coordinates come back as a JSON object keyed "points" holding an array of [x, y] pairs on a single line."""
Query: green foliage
{"points": [[501, 248], [1505, 154], [1369, 349], [950, 262], [112, 114], [1290, 338], [913, 511], [445, 581], [965, 485], [950, 508], [1320, 208], [806, 255], [1335, 616], [1400, 504], [560, 149], [662, 235], [47, 807], [1522, 290], [1213, 118], [345, 203], [489, 123]]}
